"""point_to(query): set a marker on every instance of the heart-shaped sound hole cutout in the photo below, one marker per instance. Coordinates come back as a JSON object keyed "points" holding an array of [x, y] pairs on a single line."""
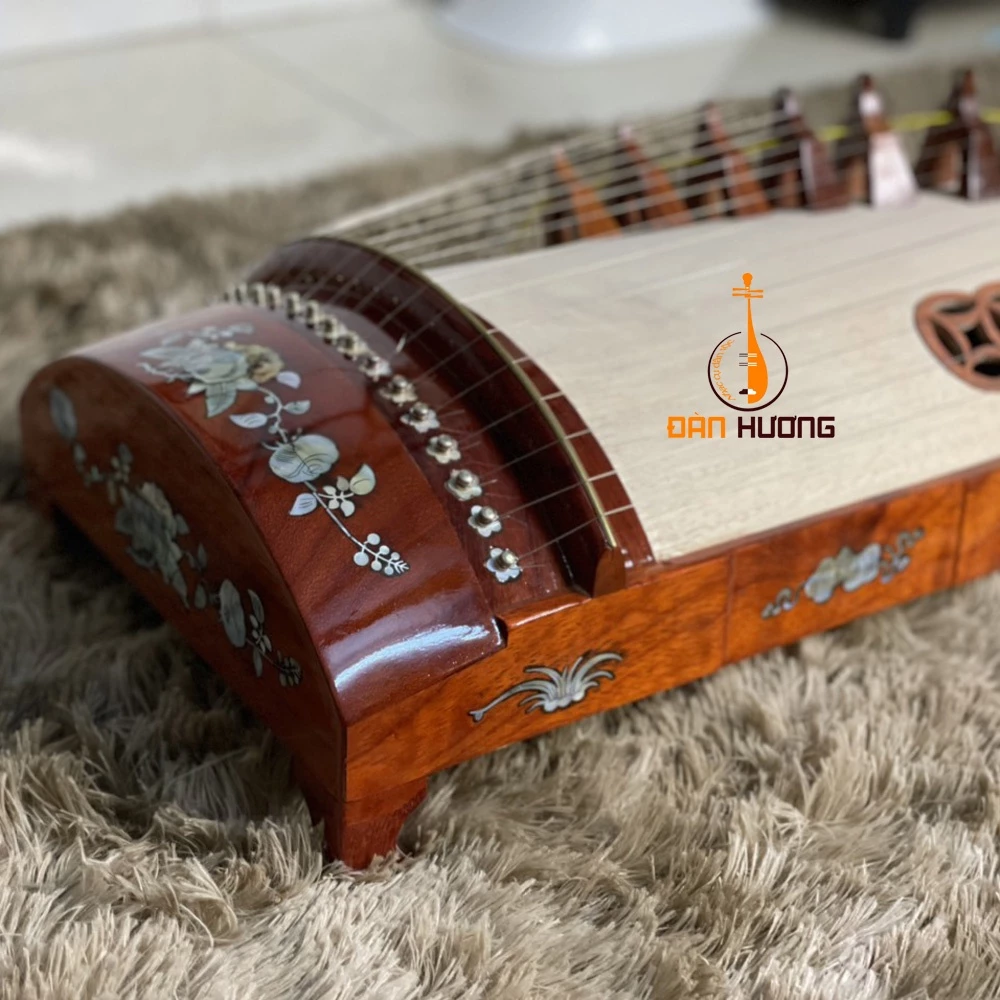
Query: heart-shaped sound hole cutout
{"points": [[963, 333]]}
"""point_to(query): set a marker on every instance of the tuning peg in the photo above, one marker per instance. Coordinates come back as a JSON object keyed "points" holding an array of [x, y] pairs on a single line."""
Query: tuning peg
{"points": [[797, 170], [871, 157], [722, 181], [959, 156], [648, 196], [576, 210]]}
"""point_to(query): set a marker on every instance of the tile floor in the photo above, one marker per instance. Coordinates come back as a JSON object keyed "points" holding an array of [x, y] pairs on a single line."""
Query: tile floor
{"points": [[241, 101]]}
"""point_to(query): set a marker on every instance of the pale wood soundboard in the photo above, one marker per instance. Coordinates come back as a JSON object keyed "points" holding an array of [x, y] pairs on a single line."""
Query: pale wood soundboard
{"points": [[626, 325]]}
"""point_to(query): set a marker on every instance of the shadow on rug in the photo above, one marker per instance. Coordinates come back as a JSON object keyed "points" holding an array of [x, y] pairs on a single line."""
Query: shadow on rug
{"points": [[822, 821]]}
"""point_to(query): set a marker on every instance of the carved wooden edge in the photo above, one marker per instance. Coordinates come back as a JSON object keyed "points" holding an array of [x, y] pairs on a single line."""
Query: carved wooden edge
{"points": [[948, 322], [689, 617]]}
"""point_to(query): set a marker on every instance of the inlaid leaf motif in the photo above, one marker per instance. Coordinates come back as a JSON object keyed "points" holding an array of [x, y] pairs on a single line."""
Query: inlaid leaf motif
{"points": [[304, 459], [217, 367], [231, 613], [219, 397], [305, 503], [249, 420], [256, 605], [63, 414], [363, 481]]}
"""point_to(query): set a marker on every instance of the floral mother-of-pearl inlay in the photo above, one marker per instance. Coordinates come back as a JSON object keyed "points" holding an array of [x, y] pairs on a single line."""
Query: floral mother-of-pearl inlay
{"points": [[217, 366], [443, 448], [556, 689], [159, 539], [849, 570]]}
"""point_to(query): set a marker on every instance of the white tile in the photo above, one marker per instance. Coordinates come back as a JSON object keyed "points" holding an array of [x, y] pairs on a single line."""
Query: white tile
{"points": [[86, 132], [29, 25], [404, 66], [800, 52], [230, 11]]}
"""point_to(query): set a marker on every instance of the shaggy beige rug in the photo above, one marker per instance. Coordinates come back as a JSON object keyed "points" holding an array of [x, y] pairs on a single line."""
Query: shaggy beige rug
{"points": [[823, 821]]}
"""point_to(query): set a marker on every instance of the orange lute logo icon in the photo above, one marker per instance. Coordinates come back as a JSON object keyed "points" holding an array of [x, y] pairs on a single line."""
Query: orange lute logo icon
{"points": [[752, 358], [747, 370]]}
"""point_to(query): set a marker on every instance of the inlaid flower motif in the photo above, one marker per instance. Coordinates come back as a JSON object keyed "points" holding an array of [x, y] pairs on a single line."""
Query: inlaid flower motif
{"points": [[289, 671], [218, 372], [377, 555], [848, 569], [263, 363], [464, 484], [341, 495], [152, 527], [159, 541], [259, 639], [304, 458], [498, 565], [212, 363], [483, 527], [421, 419]]}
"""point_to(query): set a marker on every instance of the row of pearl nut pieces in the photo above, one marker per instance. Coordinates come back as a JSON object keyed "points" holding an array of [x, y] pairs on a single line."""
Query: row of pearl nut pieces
{"points": [[462, 483]]}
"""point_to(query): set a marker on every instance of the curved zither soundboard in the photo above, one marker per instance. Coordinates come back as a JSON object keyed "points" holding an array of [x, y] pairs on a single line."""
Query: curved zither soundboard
{"points": [[413, 514]]}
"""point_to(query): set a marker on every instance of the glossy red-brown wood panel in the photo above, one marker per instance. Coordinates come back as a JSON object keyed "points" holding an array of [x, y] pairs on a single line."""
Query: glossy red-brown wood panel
{"points": [[979, 550], [668, 631], [789, 558], [112, 410]]}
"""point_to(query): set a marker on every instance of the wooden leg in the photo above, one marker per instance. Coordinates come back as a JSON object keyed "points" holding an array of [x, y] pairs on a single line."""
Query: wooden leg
{"points": [[358, 831]]}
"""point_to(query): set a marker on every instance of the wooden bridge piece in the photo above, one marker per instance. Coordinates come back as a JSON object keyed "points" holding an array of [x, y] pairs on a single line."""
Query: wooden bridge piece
{"points": [[722, 182], [799, 171], [647, 194], [576, 210], [959, 156], [871, 156]]}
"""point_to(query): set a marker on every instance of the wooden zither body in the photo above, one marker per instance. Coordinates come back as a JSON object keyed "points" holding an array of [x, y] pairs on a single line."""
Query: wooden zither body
{"points": [[413, 517]]}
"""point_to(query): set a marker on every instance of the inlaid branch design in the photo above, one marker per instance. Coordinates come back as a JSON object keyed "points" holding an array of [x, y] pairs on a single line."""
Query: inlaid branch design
{"points": [[212, 363], [556, 689], [849, 570]]}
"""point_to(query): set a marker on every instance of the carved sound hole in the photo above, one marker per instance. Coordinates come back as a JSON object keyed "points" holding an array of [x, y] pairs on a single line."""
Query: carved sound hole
{"points": [[963, 331]]}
